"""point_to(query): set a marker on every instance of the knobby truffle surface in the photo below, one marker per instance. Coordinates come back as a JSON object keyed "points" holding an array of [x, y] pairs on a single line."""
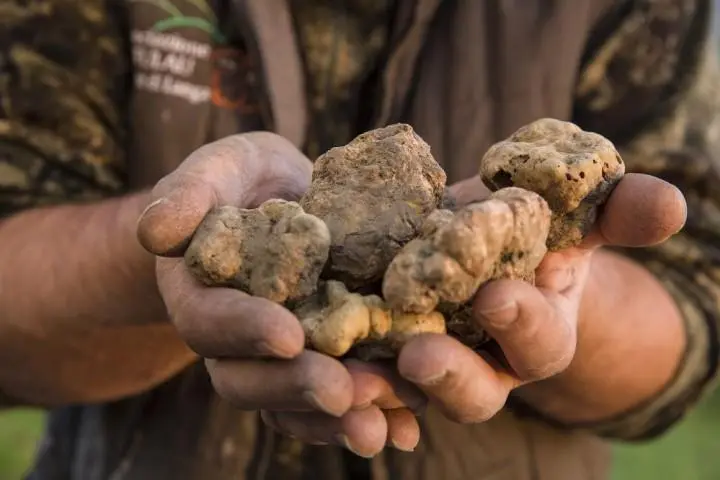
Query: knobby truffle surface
{"points": [[336, 320], [573, 170], [373, 194], [503, 236], [276, 251], [377, 252]]}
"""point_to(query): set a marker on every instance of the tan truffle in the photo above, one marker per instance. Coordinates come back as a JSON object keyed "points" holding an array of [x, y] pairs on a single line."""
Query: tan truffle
{"points": [[573, 170], [276, 251], [373, 194], [503, 236], [336, 320], [378, 216]]}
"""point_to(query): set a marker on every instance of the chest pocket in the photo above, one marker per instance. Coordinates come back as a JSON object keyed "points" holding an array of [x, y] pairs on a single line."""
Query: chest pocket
{"points": [[194, 82]]}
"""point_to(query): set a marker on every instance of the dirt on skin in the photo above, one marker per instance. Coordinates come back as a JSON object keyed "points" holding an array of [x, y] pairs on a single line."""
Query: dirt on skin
{"points": [[376, 251]]}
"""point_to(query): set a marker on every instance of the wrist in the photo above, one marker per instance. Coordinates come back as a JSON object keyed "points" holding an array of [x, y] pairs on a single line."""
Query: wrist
{"points": [[123, 275]]}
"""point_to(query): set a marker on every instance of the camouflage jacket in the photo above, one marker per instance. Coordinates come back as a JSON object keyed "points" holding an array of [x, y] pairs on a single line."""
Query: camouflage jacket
{"points": [[102, 96]]}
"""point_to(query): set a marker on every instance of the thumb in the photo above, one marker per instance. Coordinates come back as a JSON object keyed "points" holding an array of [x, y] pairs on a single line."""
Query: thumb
{"points": [[241, 170], [642, 211]]}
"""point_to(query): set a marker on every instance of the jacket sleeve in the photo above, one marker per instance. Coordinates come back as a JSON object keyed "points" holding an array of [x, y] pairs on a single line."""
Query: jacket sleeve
{"points": [[63, 78], [651, 84]]}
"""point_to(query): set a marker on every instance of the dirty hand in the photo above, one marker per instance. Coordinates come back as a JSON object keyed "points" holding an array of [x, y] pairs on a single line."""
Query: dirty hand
{"points": [[535, 328], [254, 349]]}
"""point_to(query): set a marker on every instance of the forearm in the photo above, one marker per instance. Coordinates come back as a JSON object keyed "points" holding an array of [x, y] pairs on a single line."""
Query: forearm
{"points": [[81, 318], [630, 342]]}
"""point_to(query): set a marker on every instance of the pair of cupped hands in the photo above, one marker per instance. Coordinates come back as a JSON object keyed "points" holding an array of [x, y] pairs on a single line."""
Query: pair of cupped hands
{"points": [[254, 349]]}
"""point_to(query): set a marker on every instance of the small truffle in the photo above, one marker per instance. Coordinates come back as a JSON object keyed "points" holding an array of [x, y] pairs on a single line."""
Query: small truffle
{"points": [[276, 251], [336, 320], [573, 170]]}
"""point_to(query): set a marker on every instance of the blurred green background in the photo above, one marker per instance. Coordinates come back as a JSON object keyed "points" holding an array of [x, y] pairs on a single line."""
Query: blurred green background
{"points": [[690, 452]]}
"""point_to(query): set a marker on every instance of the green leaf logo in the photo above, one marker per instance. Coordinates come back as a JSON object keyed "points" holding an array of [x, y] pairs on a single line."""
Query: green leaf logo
{"points": [[206, 21]]}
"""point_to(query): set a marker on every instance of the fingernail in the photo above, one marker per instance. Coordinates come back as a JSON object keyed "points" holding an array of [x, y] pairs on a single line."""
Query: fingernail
{"points": [[311, 398], [344, 441], [432, 379], [397, 446], [362, 406], [273, 350], [496, 309], [151, 206]]}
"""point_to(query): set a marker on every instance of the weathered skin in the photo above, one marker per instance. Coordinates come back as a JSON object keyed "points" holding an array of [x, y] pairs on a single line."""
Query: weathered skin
{"points": [[573, 170], [379, 217], [373, 194], [276, 251]]}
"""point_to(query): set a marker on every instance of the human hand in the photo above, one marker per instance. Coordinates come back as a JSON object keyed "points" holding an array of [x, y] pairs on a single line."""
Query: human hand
{"points": [[253, 348], [535, 328]]}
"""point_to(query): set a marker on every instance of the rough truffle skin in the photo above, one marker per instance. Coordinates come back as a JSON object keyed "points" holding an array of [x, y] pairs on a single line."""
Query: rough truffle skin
{"points": [[336, 320], [378, 218], [276, 251], [502, 237], [573, 170], [373, 194]]}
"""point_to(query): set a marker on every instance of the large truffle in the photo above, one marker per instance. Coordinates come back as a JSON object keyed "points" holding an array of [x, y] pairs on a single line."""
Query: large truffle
{"points": [[373, 194], [503, 236], [573, 170]]}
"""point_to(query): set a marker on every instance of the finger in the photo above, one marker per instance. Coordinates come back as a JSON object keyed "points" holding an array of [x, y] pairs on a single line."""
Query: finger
{"points": [[311, 381], [641, 211], [381, 385], [223, 322], [457, 380], [363, 432], [403, 429], [241, 170], [536, 336], [469, 191]]}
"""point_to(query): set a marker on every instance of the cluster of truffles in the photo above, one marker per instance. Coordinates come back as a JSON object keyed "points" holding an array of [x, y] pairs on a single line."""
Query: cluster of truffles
{"points": [[375, 251]]}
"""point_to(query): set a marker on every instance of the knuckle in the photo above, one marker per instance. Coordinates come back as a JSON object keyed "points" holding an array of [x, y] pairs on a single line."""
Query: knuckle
{"points": [[312, 370], [226, 380], [183, 318], [478, 414], [555, 365], [323, 375], [483, 410]]}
